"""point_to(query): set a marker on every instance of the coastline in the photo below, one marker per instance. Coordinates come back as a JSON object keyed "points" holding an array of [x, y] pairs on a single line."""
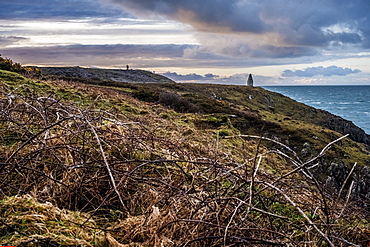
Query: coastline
{"points": [[353, 107]]}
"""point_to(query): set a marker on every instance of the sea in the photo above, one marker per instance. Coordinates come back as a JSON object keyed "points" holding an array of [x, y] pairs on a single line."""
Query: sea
{"points": [[349, 102]]}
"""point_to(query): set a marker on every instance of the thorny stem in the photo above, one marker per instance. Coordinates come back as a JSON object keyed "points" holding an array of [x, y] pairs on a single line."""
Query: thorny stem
{"points": [[107, 165], [299, 210]]}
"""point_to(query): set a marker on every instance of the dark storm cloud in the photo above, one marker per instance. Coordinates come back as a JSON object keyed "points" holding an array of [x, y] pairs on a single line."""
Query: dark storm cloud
{"points": [[282, 52], [204, 15], [306, 23], [320, 70], [35, 9]]}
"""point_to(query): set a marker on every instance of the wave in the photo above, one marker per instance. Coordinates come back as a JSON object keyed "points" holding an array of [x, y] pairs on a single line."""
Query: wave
{"points": [[349, 102]]}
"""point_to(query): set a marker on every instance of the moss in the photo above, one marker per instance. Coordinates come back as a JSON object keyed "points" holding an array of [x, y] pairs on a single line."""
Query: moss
{"points": [[224, 132], [29, 221]]}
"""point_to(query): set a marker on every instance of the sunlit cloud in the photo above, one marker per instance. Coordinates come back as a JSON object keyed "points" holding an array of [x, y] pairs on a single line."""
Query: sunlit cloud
{"points": [[113, 56], [95, 32]]}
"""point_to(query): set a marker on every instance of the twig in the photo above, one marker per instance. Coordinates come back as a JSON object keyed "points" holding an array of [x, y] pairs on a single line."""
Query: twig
{"points": [[345, 182], [323, 151], [107, 164], [33, 137], [251, 186], [299, 210], [268, 139], [345, 205], [231, 219], [246, 240], [345, 241]]}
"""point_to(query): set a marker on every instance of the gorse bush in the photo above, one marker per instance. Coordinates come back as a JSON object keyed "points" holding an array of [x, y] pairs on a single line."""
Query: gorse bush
{"points": [[9, 65]]}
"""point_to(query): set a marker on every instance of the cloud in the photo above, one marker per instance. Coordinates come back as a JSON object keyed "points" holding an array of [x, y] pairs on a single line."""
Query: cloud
{"points": [[320, 70], [57, 9], [233, 79], [264, 28], [138, 56], [10, 40], [191, 77], [162, 57], [233, 29], [204, 15], [159, 57]]}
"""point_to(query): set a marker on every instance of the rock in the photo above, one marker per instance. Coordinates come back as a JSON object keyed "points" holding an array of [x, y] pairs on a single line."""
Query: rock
{"points": [[338, 171], [343, 126], [306, 145], [362, 186], [337, 174]]}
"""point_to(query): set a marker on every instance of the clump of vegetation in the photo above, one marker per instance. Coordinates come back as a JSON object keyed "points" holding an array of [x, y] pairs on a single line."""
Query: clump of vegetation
{"points": [[146, 95], [168, 99], [141, 179], [177, 103], [26, 222], [9, 65]]}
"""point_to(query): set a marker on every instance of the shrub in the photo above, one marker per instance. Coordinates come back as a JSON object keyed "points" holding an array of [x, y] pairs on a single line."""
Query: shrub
{"points": [[177, 103], [9, 65], [145, 95]]}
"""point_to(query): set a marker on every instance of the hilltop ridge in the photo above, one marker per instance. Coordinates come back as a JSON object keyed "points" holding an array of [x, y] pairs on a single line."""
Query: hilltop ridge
{"points": [[116, 75]]}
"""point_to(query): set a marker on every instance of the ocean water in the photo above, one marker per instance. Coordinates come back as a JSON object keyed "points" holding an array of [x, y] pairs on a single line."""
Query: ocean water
{"points": [[349, 102]]}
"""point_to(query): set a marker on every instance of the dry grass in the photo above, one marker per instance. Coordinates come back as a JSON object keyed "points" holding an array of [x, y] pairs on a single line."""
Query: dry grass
{"points": [[146, 180], [27, 222]]}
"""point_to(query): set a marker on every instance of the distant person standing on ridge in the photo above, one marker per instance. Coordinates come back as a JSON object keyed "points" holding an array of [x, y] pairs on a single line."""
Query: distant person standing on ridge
{"points": [[127, 67]]}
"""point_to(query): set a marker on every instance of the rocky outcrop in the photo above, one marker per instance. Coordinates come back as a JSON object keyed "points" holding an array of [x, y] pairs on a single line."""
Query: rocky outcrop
{"points": [[338, 172], [343, 126]]}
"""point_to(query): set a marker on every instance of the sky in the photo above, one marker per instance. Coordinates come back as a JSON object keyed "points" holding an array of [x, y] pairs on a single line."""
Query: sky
{"points": [[280, 42]]}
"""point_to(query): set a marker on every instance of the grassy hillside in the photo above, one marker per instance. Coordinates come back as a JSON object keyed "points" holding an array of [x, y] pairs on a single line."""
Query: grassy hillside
{"points": [[104, 164]]}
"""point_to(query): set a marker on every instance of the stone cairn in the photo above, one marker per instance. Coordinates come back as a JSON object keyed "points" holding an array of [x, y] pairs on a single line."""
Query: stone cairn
{"points": [[250, 81]]}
